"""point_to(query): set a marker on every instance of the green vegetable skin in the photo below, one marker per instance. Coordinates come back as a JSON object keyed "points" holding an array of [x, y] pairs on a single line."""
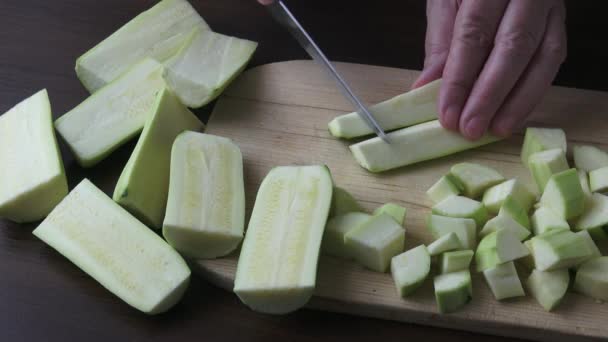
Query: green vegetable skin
{"points": [[414, 107], [115, 249], [463, 207], [463, 227], [410, 269], [505, 222], [142, 192], [548, 287], [205, 215], [158, 33], [474, 179], [557, 249], [595, 217], [497, 248], [544, 220], [455, 261], [564, 195], [495, 196], [510, 207], [541, 139], [589, 158], [504, 281], [592, 278], [453, 291], [335, 230], [444, 243], [395, 211], [412, 145], [32, 176], [277, 267], [443, 189], [113, 115], [545, 164]]}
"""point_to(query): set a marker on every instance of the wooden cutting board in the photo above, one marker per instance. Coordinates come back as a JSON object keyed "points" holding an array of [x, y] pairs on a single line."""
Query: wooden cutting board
{"points": [[278, 115]]}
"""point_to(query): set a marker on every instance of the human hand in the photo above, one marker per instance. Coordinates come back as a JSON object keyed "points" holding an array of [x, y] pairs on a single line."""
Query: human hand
{"points": [[496, 58], [265, 2]]}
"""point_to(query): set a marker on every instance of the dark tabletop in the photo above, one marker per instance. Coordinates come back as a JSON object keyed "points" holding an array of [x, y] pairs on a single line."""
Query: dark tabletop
{"points": [[44, 297]]}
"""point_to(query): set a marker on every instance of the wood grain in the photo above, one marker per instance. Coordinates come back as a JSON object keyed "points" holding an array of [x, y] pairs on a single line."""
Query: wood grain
{"points": [[278, 115]]}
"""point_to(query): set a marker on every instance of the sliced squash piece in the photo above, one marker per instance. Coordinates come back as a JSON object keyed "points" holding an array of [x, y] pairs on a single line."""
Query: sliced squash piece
{"points": [[505, 222], [444, 243], [395, 211], [443, 189], [598, 180], [458, 206], [564, 195], [589, 158], [542, 139], [592, 278], [510, 207], [453, 291], [595, 217], [495, 196], [557, 249], [545, 164], [497, 248], [475, 178], [544, 220], [455, 261], [548, 287], [504, 281], [464, 228], [410, 269], [335, 230]]}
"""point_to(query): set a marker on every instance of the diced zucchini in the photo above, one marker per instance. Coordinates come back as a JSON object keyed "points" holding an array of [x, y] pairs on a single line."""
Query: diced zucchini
{"points": [[548, 287], [205, 215], [277, 267], [143, 185], [544, 220], [583, 177], [505, 222], [335, 230], [564, 195], [444, 243], [115, 249], [411, 145], [410, 269], [528, 260], [113, 115], [32, 176], [158, 33], [496, 195], [595, 252], [462, 207], [510, 207], [442, 189], [545, 164], [589, 158], [497, 248], [557, 249], [463, 227], [455, 261], [343, 202], [504, 281], [475, 178], [598, 180], [395, 211], [205, 66], [592, 278], [542, 139], [595, 216], [416, 106], [375, 242], [453, 291]]}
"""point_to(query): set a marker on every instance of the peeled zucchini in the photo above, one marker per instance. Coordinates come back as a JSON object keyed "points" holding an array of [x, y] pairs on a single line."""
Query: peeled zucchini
{"points": [[583, 177], [598, 180], [277, 267], [113, 115], [548, 287], [444, 243], [343, 202], [143, 185], [510, 207], [544, 220], [592, 278], [542, 139], [335, 230], [497, 248], [545, 164], [595, 217], [504, 281], [505, 222], [375, 242], [455, 261], [495, 196], [564, 195], [453, 291], [528, 260], [595, 252], [557, 249], [410, 269], [474, 179], [464, 228], [411, 145], [205, 215], [443, 189], [115, 249], [589, 158], [32, 177], [395, 211], [458, 206], [416, 106]]}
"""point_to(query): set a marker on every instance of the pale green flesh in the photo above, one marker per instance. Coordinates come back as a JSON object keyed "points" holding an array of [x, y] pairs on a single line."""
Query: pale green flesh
{"points": [[474, 179], [505, 222], [199, 72], [205, 216], [277, 267], [592, 278], [343, 202], [335, 230], [595, 215], [589, 158], [453, 291], [113, 115], [410, 269], [412, 145], [157, 33], [598, 180], [564, 195], [115, 249], [557, 249], [544, 220], [442, 189], [548, 287], [528, 260], [416, 106], [32, 176], [542, 139], [545, 164], [495, 196], [143, 185], [510, 207], [463, 227], [395, 211], [504, 281], [497, 248], [455, 261], [375, 242], [444, 243], [462, 207], [583, 177], [595, 251]]}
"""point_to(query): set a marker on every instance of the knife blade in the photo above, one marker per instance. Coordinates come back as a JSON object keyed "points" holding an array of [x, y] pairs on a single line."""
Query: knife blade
{"points": [[281, 13]]}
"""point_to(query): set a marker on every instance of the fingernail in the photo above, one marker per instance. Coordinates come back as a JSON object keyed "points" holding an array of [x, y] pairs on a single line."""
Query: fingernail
{"points": [[474, 128]]}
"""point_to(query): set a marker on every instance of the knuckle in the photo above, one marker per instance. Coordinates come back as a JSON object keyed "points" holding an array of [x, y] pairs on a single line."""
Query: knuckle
{"points": [[518, 41], [474, 32], [555, 49]]}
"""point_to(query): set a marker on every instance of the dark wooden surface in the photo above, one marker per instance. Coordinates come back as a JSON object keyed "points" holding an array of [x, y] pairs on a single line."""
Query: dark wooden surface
{"points": [[44, 297]]}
